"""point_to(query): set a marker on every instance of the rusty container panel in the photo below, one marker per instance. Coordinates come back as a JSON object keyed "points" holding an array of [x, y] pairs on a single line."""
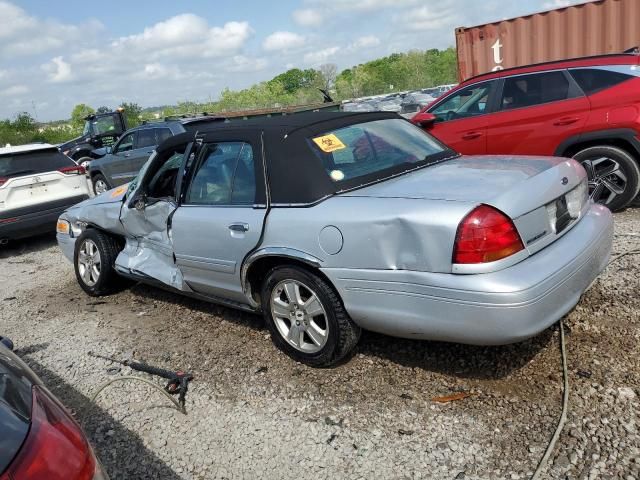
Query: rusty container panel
{"points": [[593, 28]]}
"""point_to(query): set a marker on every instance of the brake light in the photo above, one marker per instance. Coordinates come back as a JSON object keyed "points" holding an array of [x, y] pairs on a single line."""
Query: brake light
{"points": [[76, 169], [55, 448], [3, 180], [485, 235]]}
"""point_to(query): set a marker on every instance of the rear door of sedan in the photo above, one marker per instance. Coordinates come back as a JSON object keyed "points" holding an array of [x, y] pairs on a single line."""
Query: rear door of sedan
{"points": [[221, 213]]}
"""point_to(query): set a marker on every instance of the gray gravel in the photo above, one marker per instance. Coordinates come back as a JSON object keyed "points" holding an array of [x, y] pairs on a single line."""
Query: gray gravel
{"points": [[253, 413]]}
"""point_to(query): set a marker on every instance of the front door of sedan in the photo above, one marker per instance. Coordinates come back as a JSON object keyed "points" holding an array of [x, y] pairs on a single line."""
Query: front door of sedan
{"points": [[221, 215], [462, 118], [146, 218]]}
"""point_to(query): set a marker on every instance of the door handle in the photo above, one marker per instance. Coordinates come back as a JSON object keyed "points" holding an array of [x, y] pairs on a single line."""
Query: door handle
{"points": [[127, 155], [565, 121], [471, 135], [239, 227]]}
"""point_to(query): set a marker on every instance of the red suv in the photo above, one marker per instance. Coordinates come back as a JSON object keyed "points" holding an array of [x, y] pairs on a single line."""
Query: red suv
{"points": [[586, 108]]}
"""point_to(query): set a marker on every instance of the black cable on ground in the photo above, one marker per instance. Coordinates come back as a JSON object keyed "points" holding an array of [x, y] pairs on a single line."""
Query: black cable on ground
{"points": [[565, 403]]}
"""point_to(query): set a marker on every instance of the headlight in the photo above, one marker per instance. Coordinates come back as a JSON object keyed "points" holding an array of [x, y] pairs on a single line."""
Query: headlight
{"points": [[63, 227], [577, 199]]}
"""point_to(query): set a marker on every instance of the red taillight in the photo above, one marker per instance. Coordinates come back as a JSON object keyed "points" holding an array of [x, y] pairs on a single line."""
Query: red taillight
{"points": [[55, 448], [485, 235], [3, 180], [77, 170]]}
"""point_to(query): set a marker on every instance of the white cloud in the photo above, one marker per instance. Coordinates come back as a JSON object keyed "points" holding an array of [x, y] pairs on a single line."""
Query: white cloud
{"points": [[279, 41], [429, 17], [58, 70], [24, 35], [186, 36], [560, 3], [14, 90], [308, 17], [240, 63], [368, 41], [319, 57]]}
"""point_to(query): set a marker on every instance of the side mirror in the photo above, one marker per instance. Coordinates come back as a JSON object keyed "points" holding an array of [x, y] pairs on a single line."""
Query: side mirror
{"points": [[139, 204], [108, 149], [424, 119]]}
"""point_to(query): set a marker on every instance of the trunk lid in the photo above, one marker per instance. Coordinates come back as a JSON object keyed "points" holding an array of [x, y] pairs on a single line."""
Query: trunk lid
{"points": [[515, 185]]}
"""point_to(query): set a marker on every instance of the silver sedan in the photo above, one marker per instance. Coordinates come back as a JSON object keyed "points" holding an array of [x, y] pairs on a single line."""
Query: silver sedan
{"points": [[329, 223]]}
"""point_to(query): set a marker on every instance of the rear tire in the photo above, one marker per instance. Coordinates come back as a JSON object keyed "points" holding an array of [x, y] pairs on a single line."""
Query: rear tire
{"points": [[84, 162], [614, 175], [315, 329], [99, 184], [93, 260]]}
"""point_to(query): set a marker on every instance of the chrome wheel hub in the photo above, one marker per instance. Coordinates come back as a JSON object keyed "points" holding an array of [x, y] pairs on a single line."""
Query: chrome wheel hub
{"points": [[299, 316], [89, 262], [606, 179], [100, 187]]}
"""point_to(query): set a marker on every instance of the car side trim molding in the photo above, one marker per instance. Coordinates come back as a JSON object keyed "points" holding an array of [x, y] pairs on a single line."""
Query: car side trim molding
{"points": [[615, 133], [284, 252]]}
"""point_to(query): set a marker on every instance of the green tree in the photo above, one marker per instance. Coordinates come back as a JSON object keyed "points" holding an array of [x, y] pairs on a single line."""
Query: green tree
{"points": [[103, 109], [78, 115], [132, 113]]}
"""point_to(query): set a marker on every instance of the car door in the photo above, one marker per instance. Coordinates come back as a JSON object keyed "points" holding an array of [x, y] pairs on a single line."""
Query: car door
{"points": [[118, 166], [221, 214], [462, 118], [146, 218], [535, 113]]}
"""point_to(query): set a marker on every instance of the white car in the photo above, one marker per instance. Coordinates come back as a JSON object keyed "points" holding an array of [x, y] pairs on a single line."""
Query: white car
{"points": [[37, 183]]}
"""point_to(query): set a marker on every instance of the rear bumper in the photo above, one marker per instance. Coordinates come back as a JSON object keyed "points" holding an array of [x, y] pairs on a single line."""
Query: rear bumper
{"points": [[484, 309], [34, 220]]}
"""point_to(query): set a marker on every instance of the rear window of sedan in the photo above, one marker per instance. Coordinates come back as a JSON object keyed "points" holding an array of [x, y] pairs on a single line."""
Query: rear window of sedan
{"points": [[31, 163], [373, 148]]}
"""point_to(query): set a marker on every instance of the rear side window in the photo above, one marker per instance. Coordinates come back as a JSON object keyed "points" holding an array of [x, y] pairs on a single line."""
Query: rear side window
{"points": [[31, 163], [146, 138], [529, 90], [592, 80], [225, 175], [162, 134]]}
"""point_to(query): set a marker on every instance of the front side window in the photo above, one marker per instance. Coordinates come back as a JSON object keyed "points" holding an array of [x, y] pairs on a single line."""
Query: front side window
{"points": [[164, 174], [592, 80], [465, 103], [372, 148], [529, 90], [126, 143], [224, 175]]}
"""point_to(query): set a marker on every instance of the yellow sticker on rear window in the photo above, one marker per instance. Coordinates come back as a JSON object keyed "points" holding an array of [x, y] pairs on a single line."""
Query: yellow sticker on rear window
{"points": [[329, 143]]}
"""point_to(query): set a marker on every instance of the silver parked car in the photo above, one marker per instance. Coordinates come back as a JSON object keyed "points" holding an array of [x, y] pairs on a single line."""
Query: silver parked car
{"points": [[332, 222]]}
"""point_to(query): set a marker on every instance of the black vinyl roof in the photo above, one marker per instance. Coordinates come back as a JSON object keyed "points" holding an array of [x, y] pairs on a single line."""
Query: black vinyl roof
{"points": [[295, 174]]}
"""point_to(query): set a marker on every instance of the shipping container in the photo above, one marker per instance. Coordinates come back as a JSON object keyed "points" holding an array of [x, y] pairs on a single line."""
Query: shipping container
{"points": [[592, 28]]}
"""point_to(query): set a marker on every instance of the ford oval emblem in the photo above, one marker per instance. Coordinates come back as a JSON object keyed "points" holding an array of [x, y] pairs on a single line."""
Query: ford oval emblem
{"points": [[565, 180]]}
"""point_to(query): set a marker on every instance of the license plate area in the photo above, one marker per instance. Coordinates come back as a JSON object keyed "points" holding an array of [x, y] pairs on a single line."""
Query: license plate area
{"points": [[559, 216]]}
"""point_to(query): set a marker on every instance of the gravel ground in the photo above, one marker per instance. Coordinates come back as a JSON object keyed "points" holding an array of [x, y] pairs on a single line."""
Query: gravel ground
{"points": [[254, 413]]}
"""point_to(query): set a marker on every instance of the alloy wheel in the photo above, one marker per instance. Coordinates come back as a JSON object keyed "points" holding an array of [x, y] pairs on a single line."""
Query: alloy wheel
{"points": [[100, 186], [89, 262], [606, 179], [299, 316]]}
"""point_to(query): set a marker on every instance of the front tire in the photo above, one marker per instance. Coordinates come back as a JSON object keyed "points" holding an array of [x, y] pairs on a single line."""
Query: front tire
{"points": [[94, 258], [614, 175], [306, 318]]}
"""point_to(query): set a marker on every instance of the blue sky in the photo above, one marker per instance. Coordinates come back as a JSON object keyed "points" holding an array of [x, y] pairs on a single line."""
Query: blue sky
{"points": [[56, 54]]}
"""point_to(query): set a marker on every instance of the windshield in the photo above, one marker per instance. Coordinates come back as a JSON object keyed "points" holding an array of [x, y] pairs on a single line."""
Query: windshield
{"points": [[100, 126], [375, 149]]}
